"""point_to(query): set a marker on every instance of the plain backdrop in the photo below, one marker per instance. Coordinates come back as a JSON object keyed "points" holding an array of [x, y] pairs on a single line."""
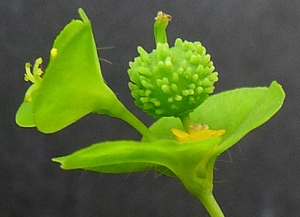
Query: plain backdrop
{"points": [[252, 43]]}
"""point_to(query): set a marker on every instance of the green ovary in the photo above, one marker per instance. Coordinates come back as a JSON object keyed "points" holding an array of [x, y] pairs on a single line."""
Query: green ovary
{"points": [[172, 81]]}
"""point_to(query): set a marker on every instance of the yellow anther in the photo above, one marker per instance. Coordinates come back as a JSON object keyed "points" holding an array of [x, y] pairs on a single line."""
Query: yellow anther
{"points": [[27, 98], [53, 52], [39, 72]]}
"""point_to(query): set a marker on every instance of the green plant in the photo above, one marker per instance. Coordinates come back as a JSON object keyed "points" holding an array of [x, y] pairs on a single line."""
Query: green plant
{"points": [[172, 84]]}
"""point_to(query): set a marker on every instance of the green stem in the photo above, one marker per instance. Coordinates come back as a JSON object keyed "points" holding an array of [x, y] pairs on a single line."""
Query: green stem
{"points": [[199, 182], [186, 122], [206, 196], [202, 189], [137, 124], [210, 204], [111, 105]]}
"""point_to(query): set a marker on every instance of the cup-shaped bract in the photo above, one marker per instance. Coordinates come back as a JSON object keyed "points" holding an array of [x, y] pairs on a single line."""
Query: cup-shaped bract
{"points": [[72, 85], [172, 81]]}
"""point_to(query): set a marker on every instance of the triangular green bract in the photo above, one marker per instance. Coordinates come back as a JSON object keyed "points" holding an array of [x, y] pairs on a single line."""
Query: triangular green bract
{"points": [[72, 85], [168, 156]]}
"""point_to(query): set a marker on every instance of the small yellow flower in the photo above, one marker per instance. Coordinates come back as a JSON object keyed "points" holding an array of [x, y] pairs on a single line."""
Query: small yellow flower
{"points": [[33, 76], [196, 133]]}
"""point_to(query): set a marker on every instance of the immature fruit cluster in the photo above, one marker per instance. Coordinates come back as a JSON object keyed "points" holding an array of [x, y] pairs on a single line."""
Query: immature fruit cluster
{"points": [[172, 81]]}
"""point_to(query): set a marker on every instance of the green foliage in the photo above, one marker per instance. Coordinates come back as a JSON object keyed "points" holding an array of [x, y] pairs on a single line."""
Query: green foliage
{"points": [[72, 87], [236, 111]]}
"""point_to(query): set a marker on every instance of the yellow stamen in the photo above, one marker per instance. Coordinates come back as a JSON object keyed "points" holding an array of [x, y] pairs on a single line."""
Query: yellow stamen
{"points": [[53, 52], [33, 76], [28, 76], [196, 133]]}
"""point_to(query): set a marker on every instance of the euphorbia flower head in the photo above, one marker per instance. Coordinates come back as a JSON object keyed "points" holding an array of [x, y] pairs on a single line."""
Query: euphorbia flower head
{"points": [[171, 81]]}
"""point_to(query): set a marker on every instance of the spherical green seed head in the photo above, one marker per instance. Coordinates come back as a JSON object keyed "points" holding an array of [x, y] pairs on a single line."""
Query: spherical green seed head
{"points": [[172, 81]]}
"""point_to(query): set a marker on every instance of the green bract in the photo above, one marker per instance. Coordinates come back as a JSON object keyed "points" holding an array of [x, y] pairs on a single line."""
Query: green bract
{"points": [[72, 86], [172, 81]]}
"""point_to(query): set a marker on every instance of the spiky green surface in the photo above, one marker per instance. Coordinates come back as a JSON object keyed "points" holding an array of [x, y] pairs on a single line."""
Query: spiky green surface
{"points": [[172, 81]]}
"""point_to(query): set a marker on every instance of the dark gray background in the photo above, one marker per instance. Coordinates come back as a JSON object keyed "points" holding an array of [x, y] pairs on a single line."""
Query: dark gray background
{"points": [[251, 43]]}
